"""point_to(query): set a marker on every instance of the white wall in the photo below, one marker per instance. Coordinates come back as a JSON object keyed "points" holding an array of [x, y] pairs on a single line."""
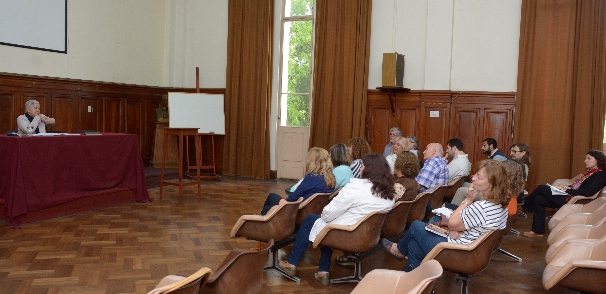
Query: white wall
{"points": [[111, 41], [459, 45]]}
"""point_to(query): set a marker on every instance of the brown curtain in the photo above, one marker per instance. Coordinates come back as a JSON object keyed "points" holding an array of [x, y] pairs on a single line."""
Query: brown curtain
{"points": [[342, 50], [248, 90], [561, 70]]}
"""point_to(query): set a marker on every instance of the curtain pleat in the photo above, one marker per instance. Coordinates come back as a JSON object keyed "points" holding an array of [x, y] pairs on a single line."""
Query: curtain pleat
{"points": [[248, 88], [341, 56], [560, 103]]}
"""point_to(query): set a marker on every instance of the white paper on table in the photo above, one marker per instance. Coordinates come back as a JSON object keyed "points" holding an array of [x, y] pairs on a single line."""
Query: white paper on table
{"points": [[556, 191], [45, 134]]}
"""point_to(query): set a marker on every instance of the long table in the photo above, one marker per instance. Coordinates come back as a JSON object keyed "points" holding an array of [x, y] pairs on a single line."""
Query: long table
{"points": [[37, 173]]}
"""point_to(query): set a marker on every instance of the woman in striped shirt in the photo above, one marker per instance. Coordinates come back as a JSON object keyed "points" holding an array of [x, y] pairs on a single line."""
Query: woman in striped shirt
{"points": [[467, 223]]}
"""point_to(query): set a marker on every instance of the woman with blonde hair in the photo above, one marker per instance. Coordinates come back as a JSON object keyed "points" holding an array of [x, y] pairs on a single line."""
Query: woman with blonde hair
{"points": [[467, 223], [318, 179], [358, 148], [399, 145]]}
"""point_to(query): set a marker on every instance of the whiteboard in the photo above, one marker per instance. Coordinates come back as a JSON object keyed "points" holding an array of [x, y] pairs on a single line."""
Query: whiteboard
{"points": [[196, 110]]}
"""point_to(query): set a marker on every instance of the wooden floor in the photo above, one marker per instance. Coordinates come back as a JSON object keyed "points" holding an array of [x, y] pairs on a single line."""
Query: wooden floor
{"points": [[128, 249]]}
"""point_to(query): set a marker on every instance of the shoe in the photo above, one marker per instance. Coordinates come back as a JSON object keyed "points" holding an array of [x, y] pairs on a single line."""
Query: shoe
{"points": [[532, 234], [291, 271], [324, 280], [345, 261], [387, 247], [259, 246]]}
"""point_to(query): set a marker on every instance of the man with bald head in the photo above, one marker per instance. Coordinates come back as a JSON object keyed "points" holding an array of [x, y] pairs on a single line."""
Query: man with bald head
{"points": [[435, 169]]}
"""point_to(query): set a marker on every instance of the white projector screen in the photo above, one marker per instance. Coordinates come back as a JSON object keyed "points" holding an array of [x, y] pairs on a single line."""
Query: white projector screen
{"points": [[193, 110], [34, 24]]}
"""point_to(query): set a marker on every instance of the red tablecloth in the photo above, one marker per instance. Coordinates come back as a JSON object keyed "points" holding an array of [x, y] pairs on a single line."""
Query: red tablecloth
{"points": [[42, 172]]}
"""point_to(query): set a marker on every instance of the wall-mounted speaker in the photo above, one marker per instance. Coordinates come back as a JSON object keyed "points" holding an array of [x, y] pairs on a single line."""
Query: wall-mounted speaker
{"points": [[393, 70]]}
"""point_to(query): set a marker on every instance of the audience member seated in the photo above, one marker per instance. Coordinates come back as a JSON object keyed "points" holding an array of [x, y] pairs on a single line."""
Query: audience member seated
{"points": [[394, 133], [399, 145], [339, 155], [413, 145], [467, 223], [435, 170], [32, 122], [517, 179], [489, 146], [373, 192], [460, 165], [318, 179], [521, 151], [358, 148], [591, 182], [406, 168]]}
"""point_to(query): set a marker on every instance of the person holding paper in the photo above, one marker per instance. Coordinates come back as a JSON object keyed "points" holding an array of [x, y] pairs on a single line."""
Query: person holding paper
{"points": [[32, 122], [467, 223], [591, 182]]}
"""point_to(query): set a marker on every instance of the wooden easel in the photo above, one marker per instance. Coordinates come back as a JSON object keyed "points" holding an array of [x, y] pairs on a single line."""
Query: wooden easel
{"points": [[212, 173]]}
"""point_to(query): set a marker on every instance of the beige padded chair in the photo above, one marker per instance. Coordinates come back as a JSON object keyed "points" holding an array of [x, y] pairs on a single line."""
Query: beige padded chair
{"points": [[465, 259], [417, 210], [395, 221], [565, 182], [182, 285], [312, 205], [418, 281], [240, 272], [586, 199], [595, 218], [578, 265], [334, 193], [497, 246], [437, 196], [575, 232], [355, 239], [278, 224], [592, 206], [451, 188]]}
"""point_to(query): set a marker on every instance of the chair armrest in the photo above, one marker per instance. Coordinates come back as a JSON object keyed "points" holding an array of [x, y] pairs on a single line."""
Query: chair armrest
{"points": [[178, 282], [572, 251], [455, 246], [260, 218], [553, 250], [570, 219], [330, 227], [571, 232]]}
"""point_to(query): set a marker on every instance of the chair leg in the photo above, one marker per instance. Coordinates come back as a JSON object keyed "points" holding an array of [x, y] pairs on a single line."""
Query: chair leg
{"points": [[274, 265], [520, 213], [357, 277], [465, 279], [509, 255], [515, 231]]}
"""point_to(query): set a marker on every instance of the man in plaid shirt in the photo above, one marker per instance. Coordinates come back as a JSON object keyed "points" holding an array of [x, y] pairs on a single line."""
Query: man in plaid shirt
{"points": [[435, 170]]}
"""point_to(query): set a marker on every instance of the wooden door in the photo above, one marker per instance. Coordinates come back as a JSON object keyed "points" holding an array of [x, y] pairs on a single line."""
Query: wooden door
{"points": [[293, 143]]}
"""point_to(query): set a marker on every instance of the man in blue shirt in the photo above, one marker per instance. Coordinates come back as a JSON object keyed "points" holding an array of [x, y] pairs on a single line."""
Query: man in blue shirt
{"points": [[489, 146], [435, 169], [394, 133]]}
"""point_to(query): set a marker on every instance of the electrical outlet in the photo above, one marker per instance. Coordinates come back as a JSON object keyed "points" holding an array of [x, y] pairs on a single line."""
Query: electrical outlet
{"points": [[90, 109]]}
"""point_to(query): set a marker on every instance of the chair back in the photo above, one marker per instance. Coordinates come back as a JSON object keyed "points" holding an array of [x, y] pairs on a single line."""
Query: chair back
{"points": [[183, 285], [596, 217], [382, 281], [580, 266], [278, 224], [437, 196], [358, 238], [334, 193], [395, 220], [417, 210], [594, 205], [510, 221], [465, 258], [240, 272], [312, 205], [452, 188]]}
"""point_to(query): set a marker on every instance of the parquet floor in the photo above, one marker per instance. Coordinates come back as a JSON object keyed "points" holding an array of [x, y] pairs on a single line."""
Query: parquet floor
{"points": [[128, 249]]}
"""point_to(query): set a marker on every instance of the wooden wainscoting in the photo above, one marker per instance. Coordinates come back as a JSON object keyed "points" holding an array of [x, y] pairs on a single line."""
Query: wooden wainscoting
{"points": [[437, 116], [117, 108]]}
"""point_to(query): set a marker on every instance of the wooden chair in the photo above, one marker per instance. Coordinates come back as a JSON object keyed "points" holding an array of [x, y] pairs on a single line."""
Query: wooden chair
{"points": [[592, 206], [596, 218], [182, 285], [465, 259], [586, 199], [240, 272], [278, 224], [575, 232], [417, 210], [355, 239], [580, 266], [451, 188], [418, 281]]}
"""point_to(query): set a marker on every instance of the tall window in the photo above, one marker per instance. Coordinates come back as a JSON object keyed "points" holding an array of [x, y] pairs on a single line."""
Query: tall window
{"points": [[296, 66]]}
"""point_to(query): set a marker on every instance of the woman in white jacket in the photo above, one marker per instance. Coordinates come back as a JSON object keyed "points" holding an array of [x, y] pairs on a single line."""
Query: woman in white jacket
{"points": [[374, 191]]}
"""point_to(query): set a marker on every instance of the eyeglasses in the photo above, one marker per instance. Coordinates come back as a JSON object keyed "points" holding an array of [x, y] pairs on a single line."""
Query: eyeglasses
{"points": [[515, 151]]}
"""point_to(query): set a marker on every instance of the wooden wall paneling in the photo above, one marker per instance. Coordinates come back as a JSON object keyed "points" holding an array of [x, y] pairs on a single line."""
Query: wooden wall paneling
{"points": [[8, 110], [42, 97], [378, 121], [90, 121], [407, 114], [112, 115], [134, 120], [434, 129], [498, 125], [466, 124], [150, 128], [65, 112]]}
